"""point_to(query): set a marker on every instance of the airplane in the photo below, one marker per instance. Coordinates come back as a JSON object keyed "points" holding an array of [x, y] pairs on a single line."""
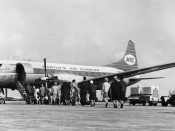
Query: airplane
{"points": [[14, 74]]}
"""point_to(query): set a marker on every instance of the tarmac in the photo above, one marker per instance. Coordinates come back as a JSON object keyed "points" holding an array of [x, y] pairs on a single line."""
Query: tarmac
{"points": [[18, 116]]}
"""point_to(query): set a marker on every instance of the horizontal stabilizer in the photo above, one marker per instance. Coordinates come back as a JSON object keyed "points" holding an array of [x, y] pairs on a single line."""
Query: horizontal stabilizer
{"points": [[147, 78]]}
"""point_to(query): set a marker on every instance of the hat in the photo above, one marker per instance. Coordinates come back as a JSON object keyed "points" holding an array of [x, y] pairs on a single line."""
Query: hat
{"points": [[106, 79], [115, 77], [91, 82]]}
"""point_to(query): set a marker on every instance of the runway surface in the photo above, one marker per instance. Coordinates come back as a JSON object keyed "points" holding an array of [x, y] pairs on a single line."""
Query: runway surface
{"points": [[17, 116]]}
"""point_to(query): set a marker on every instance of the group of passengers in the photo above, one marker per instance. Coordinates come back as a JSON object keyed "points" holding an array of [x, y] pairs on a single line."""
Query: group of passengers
{"points": [[115, 90], [85, 93], [45, 95]]}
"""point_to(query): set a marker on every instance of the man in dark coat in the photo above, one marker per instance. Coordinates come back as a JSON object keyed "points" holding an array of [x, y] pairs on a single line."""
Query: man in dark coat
{"points": [[83, 91], [92, 92], [65, 93], [118, 92]]}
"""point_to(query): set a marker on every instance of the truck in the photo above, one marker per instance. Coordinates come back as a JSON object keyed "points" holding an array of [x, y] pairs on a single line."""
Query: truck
{"points": [[143, 95], [170, 99]]}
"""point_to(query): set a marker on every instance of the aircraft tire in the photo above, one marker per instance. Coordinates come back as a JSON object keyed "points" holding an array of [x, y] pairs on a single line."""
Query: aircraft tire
{"points": [[150, 103], [155, 104], [133, 104]]}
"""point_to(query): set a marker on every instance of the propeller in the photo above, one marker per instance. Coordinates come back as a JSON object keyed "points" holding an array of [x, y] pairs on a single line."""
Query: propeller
{"points": [[45, 71], [47, 76]]}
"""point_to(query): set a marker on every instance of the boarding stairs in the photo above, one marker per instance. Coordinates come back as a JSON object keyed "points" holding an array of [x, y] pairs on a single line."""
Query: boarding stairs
{"points": [[23, 91]]}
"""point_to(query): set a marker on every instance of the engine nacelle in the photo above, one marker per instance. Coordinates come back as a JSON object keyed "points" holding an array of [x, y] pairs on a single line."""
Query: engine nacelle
{"points": [[11, 73], [21, 69], [25, 73]]}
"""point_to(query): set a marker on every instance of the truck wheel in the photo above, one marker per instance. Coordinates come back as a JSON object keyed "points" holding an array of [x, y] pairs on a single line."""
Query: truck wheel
{"points": [[155, 104], [173, 104], [130, 103], [150, 104], [144, 103], [133, 104]]}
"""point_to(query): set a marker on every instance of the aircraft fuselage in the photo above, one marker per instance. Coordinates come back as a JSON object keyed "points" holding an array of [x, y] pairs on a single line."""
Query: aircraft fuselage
{"points": [[28, 72]]}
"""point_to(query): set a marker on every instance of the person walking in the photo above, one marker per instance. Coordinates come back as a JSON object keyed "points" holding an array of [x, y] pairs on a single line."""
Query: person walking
{"points": [[47, 95], [104, 91], [54, 92], [29, 89], [51, 95], [74, 92], [65, 91], [36, 94], [83, 91], [92, 92], [59, 94], [42, 93], [118, 94]]}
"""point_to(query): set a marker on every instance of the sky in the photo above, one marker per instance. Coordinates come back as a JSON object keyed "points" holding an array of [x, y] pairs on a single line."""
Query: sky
{"points": [[90, 32]]}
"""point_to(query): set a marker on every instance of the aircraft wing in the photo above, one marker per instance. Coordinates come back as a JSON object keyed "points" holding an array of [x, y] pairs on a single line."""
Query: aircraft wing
{"points": [[145, 70], [136, 72]]}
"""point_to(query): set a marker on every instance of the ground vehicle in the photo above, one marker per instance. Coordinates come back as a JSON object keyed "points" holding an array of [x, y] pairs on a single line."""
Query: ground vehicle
{"points": [[2, 100], [98, 95], [171, 99], [143, 95], [165, 100]]}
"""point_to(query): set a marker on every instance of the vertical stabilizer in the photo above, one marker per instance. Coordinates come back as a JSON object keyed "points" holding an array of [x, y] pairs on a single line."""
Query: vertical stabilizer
{"points": [[129, 61]]}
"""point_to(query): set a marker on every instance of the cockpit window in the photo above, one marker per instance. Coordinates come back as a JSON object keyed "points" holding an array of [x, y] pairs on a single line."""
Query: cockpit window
{"points": [[0, 65]]}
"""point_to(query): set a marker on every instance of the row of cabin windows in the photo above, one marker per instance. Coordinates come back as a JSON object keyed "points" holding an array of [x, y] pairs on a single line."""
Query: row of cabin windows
{"points": [[81, 73]]}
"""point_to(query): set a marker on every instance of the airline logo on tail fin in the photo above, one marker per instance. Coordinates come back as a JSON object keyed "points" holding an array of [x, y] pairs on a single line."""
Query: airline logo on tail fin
{"points": [[129, 61]]}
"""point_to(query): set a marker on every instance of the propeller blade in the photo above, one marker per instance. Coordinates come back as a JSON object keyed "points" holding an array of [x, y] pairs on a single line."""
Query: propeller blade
{"points": [[45, 71], [40, 79], [52, 78], [46, 78]]}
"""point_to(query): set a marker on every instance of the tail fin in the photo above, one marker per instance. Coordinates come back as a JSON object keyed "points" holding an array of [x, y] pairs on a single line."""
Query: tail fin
{"points": [[129, 61]]}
